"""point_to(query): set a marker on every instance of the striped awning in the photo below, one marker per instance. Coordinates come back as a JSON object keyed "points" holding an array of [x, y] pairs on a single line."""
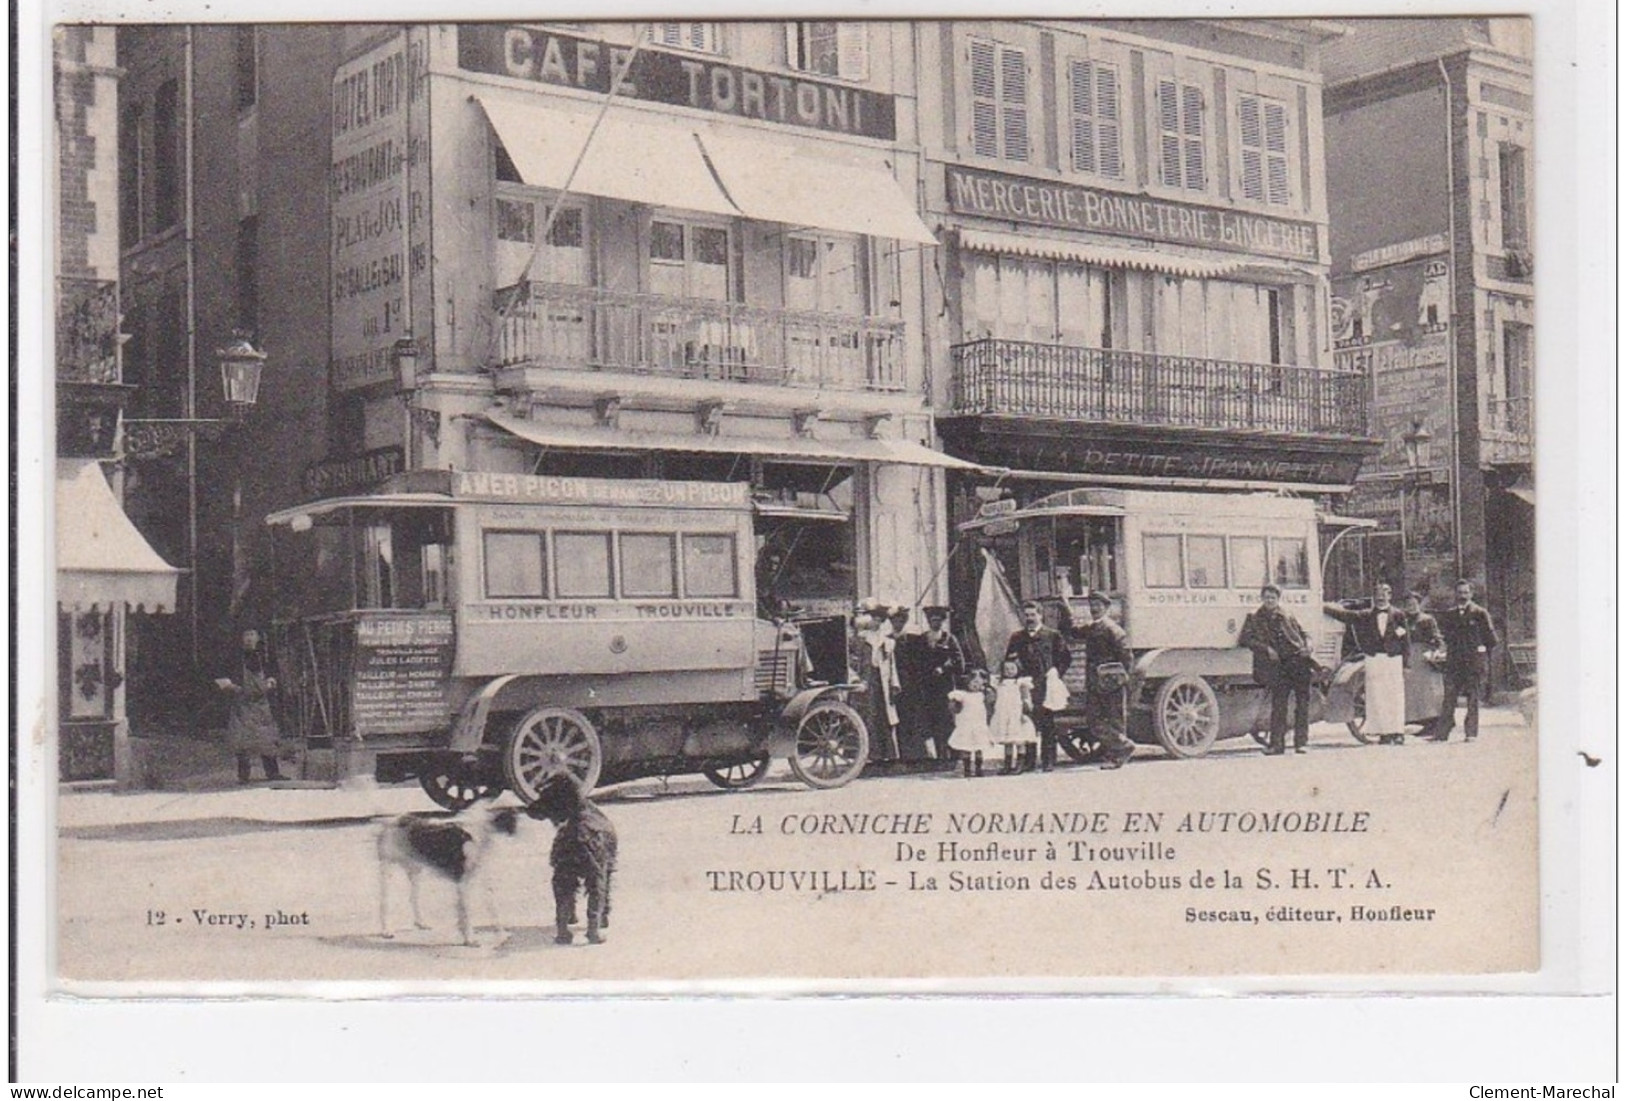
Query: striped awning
{"points": [[102, 561], [1087, 252]]}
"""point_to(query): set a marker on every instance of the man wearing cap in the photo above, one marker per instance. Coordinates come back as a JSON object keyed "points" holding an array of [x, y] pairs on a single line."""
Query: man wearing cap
{"points": [[931, 663], [1108, 659], [1038, 649], [1469, 636], [1284, 662]]}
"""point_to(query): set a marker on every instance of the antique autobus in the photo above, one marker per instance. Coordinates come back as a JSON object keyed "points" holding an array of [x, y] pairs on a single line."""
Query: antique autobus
{"points": [[481, 631], [1183, 570]]}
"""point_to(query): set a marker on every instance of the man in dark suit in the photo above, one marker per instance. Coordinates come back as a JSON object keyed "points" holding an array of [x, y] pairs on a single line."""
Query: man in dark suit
{"points": [[1382, 636], [1284, 662], [1038, 649], [1469, 636], [1108, 658]]}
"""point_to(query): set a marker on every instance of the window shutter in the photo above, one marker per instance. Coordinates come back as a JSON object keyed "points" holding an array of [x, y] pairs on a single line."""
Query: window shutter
{"points": [[1168, 115], [669, 34], [1252, 156], [984, 99], [1083, 120], [1013, 89], [1276, 152], [1195, 147], [794, 34], [1108, 128], [852, 44]]}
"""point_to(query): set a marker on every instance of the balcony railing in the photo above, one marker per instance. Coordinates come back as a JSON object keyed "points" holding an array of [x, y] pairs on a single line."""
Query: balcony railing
{"points": [[87, 330], [1509, 430], [587, 328], [1016, 378]]}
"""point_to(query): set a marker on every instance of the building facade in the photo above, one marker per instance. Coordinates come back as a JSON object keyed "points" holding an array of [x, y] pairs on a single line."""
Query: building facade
{"points": [[1134, 283], [1430, 155]]}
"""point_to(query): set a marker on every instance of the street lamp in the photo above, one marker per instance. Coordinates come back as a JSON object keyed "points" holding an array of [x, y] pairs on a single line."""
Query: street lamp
{"points": [[1419, 446], [240, 367]]}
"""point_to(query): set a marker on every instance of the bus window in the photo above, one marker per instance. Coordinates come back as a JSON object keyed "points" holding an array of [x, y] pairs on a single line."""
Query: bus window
{"points": [[582, 563], [377, 587], [1249, 562], [710, 566], [1087, 552], [515, 564], [648, 565], [1163, 566], [1291, 563], [1204, 560]]}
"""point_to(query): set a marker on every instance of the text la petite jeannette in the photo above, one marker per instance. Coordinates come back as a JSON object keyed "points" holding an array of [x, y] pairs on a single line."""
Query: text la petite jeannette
{"points": [[1507, 1093]]}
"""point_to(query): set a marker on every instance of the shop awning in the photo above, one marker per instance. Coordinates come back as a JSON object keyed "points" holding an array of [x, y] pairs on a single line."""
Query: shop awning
{"points": [[773, 182], [1524, 490], [627, 160], [795, 448], [1107, 256], [102, 561]]}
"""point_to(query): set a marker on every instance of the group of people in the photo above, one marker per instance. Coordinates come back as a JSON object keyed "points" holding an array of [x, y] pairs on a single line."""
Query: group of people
{"points": [[1389, 641], [926, 702]]}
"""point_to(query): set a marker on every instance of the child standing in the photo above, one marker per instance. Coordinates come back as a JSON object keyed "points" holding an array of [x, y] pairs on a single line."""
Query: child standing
{"points": [[971, 737], [1012, 724]]}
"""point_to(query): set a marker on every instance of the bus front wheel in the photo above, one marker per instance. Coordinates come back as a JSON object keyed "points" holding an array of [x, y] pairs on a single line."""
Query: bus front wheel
{"points": [[1186, 715], [550, 740]]}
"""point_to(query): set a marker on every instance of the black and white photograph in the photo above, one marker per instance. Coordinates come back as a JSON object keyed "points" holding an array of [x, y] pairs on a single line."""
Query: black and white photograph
{"points": [[951, 504]]}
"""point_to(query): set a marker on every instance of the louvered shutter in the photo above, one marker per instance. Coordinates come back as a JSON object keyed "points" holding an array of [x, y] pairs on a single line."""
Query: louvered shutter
{"points": [[1252, 149], [1013, 102], [1083, 118], [1275, 152], [1108, 126], [669, 34], [1168, 125], [852, 45], [984, 99], [1195, 147]]}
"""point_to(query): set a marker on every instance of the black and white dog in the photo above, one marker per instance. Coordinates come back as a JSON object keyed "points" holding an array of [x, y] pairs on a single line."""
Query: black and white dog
{"points": [[452, 848], [583, 855]]}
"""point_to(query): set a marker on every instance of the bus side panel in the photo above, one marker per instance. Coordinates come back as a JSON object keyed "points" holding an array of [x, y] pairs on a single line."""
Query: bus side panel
{"points": [[605, 639]]}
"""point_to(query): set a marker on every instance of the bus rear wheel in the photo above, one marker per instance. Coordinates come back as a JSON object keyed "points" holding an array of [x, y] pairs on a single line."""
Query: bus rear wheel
{"points": [[451, 787], [1186, 716], [551, 740]]}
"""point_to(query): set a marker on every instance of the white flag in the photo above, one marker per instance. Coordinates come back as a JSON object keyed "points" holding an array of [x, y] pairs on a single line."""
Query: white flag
{"points": [[998, 613]]}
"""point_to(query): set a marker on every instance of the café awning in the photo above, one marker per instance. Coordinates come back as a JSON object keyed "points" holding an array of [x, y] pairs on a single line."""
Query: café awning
{"points": [[1106, 256], [625, 159], [102, 561], [773, 182], [802, 448]]}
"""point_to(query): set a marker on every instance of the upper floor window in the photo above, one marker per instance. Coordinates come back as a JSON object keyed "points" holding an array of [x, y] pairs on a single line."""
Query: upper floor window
{"points": [[1181, 122], [999, 124], [830, 49], [705, 38], [166, 148], [688, 261], [823, 274], [560, 258], [1264, 175], [1514, 198], [129, 174], [1097, 132]]}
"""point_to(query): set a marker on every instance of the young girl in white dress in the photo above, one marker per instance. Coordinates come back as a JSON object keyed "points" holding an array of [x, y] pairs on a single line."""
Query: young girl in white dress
{"points": [[971, 737], [1012, 724]]}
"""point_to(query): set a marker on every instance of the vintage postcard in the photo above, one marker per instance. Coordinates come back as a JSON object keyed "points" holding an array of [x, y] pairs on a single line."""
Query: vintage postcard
{"points": [[915, 504]]}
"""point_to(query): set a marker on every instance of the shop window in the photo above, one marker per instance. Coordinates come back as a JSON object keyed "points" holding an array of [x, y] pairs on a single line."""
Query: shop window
{"points": [[999, 126], [1164, 568], [710, 566], [515, 564], [688, 261], [705, 38], [1204, 560], [1097, 142], [1265, 171], [1290, 563], [1249, 562], [829, 49], [583, 564], [1514, 198], [648, 565], [1181, 110]]}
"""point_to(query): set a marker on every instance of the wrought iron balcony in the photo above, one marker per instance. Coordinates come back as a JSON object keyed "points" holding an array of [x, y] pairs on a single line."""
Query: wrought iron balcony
{"points": [[1508, 431], [87, 330], [586, 328], [1016, 378]]}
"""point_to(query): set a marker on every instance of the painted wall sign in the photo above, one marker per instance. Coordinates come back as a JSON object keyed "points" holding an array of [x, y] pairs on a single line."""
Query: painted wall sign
{"points": [[536, 611], [677, 79], [545, 489], [402, 669], [331, 476], [1072, 206], [1431, 245], [374, 209]]}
